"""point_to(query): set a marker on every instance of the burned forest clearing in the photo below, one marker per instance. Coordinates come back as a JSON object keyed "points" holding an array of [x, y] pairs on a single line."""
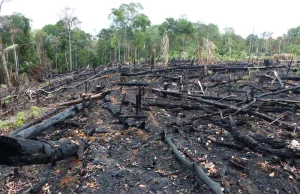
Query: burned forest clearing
{"points": [[139, 129]]}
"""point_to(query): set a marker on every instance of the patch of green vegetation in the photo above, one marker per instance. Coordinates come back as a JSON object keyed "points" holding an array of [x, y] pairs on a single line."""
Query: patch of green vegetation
{"points": [[245, 77], [4, 125], [298, 73], [246, 116], [271, 135], [50, 95], [10, 98], [290, 92], [35, 111], [21, 118], [48, 83], [271, 114], [209, 72]]}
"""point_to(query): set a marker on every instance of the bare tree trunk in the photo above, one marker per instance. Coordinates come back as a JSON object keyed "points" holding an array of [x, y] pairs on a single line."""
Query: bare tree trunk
{"points": [[39, 54], [5, 65], [16, 63], [128, 50], [125, 49], [116, 53], [135, 54], [110, 56], [103, 55], [70, 50], [76, 60], [75, 57], [67, 61], [56, 62], [16, 59], [119, 55]]}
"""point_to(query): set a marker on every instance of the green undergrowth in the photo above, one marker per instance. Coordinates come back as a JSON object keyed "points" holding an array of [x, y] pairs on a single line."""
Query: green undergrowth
{"points": [[21, 118]]}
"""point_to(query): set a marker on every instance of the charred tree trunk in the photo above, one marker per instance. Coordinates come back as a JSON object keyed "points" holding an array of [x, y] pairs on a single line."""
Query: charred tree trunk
{"points": [[35, 130], [16, 152]]}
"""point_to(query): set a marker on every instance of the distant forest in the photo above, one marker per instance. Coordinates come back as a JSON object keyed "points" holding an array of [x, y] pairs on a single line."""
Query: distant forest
{"points": [[64, 47]]}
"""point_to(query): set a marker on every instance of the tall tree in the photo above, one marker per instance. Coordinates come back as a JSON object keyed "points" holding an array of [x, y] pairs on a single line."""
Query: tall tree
{"points": [[127, 18], [71, 21], [4, 63]]}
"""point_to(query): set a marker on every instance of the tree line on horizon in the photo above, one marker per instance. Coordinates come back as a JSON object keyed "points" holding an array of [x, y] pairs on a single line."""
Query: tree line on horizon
{"points": [[63, 47]]}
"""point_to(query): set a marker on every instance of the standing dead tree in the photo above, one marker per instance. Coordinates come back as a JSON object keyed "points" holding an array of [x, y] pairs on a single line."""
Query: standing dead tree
{"points": [[209, 54], [165, 49], [14, 47], [70, 22], [153, 54], [4, 63], [3, 53]]}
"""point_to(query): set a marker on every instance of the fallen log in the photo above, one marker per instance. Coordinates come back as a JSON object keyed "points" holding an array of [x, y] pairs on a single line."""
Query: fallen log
{"points": [[73, 102], [249, 141], [279, 91], [233, 108], [104, 72], [34, 121], [19, 152], [211, 67], [35, 130], [294, 78], [197, 170]]}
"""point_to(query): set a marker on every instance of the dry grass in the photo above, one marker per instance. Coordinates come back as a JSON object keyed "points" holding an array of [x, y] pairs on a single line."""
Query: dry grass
{"points": [[165, 49], [283, 56], [209, 52], [209, 55]]}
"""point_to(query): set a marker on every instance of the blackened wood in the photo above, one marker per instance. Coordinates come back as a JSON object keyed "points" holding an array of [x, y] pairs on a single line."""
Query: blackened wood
{"points": [[104, 72], [83, 103], [133, 116], [197, 170], [17, 152], [133, 84], [35, 121], [96, 96], [35, 130], [89, 131], [98, 89], [279, 91], [122, 101], [231, 107], [295, 78], [211, 67], [109, 106], [166, 85]]}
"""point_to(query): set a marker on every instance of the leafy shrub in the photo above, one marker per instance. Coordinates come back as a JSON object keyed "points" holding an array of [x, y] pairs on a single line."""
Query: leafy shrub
{"points": [[4, 125], [35, 111], [246, 77], [20, 119]]}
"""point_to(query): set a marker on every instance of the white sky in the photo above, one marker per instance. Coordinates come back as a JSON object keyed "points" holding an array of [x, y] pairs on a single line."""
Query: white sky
{"points": [[242, 15]]}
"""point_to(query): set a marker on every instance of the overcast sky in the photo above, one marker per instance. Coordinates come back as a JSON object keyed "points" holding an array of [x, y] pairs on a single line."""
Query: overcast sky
{"points": [[241, 15]]}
